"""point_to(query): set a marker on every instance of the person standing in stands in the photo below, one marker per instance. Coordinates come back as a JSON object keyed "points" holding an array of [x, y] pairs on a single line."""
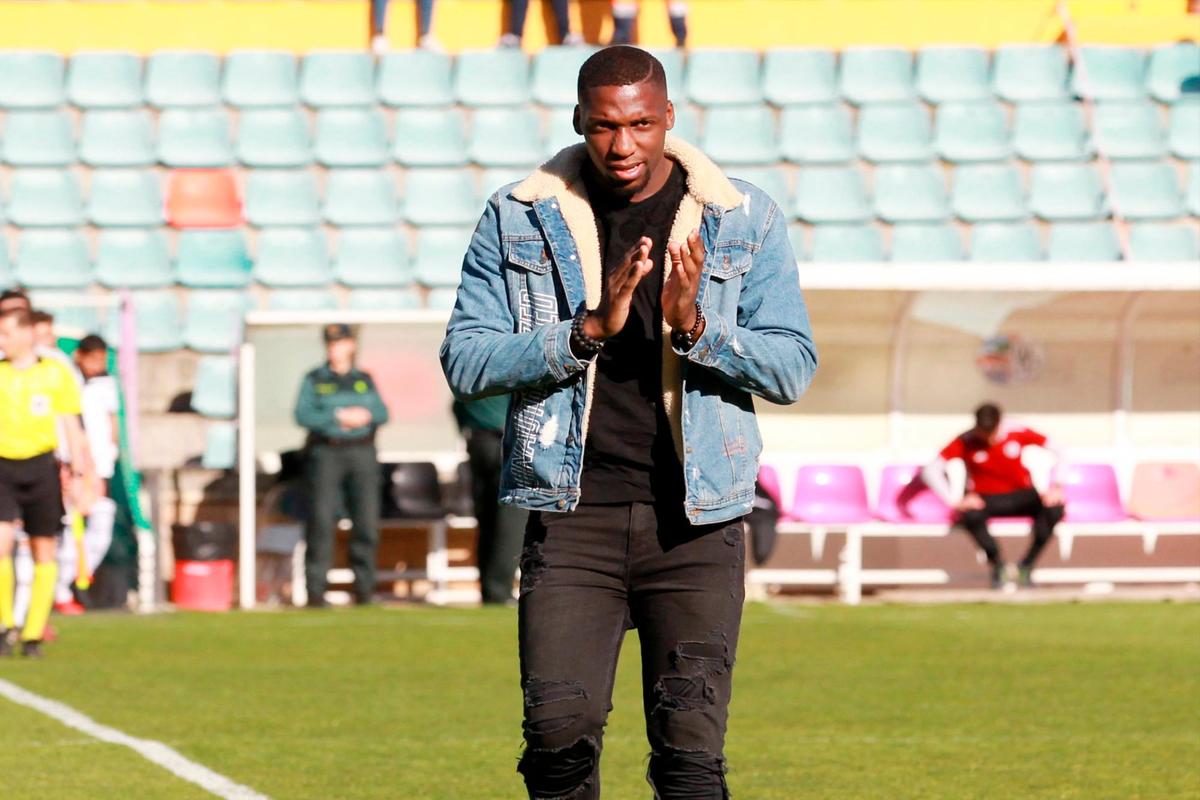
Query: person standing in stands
{"points": [[425, 38], [518, 9], [625, 14], [341, 409], [999, 485]]}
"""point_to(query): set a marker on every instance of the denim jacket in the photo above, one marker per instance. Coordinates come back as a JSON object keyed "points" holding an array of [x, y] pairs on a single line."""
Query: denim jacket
{"points": [[534, 261]]}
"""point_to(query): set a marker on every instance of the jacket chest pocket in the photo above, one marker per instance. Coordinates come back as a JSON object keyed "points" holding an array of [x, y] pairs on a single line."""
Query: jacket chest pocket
{"points": [[529, 272], [730, 262]]}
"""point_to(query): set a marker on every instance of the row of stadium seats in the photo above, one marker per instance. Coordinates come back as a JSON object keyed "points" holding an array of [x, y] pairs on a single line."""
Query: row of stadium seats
{"points": [[782, 77]]}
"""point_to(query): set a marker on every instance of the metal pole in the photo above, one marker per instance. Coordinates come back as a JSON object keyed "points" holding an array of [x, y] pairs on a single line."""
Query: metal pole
{"points": [[247, 484]]}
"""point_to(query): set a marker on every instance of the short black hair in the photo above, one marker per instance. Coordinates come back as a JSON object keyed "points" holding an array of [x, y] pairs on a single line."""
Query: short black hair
{"points": [[987, 417], [91, 343], [39, 316], [15, 294], [620, 65]]}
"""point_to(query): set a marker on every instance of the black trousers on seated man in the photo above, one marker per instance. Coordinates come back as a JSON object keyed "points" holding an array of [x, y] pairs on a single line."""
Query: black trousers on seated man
{"points": [[1022, 503], [586, 577], [337, 472]]}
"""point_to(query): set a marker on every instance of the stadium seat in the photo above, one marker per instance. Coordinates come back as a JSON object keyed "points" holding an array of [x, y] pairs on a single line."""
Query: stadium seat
{"points": [[215, 390], [904, 498], [504, 137], [492, 77], [337, 78], [1083, 241], [847, 243], [31, 79], [372, 257], [672, 59], [974, 131], [104, 80], [1184, 135], [830, 494], [876, 75], [281, 197], [555, 70], [832, 194], [1109, 73], [220, 446], [1091, 494], [136, 258], [493, 179], [255, 78], [440, 197], [988, 192], [273, 137], [1156, 241], [687, 123], [1165, 491], [1024, 72], [37, 139], [910, 193], [1128, 129], [1173, 71], [926, 242], [440, 255], [1066, 192], [796, 238], [351, 137], [194, 138], [44, 198], [894, 132], [953, 74], [740, 135], [6, 268], [1193, 189], [1146, 190], [415, 78], [768, 481], [183, 79], [1051, 131], [360, 197], [430, 138], [301, 300], [797, 76], [561, 131], [212, 260], [117, 139], [383, 300], [53, 259], [441, 299], [124, 198], [158, 317], [1005, 241], [772, 180], [214, 320], [289, 257], [817, 134], [202, 198], [721, 77], [70, 318]]}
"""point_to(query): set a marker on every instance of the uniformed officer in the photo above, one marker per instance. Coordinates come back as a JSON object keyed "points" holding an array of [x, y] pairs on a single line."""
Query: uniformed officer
{"points": [[341, 409]]}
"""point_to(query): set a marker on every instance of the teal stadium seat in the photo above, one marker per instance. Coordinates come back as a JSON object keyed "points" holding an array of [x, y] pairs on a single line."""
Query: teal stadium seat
{"points": [[910, 193], [1128, 129], [37, 139], [847, 243], [772, 180], [183, 79], [561, 130], [337, 78], [6, 270], [194, 138], [1173, 71], [1146, 190], [220, 446], [1005, 241], [44, 198], [687, 123], [214, 320], [832, 194], [124, 198], [383, 300], [1026, 72], [1060, 192], [214, 393], [672, 60], [301, 300], [796, 240], [505, 137], [988, 193], [1184, 133], [740, 135], [492, 77], [369, 257], [953, 74], [256, 78], [920, 241], [972, 131], [493, 179], [273, 137], [442, 299], [212, 259], [31, 79], [360, 197], [415, 78], [555, 70], [1107, 72], [876, 75], [104, 80], [53, 259], [117, 139], [799, 76], [291, 257], [70, 318], [817, 134], [1156, 241], [894, 132], [723, 77], [1083, 241], [440, 197], [281, 197], [1051, 131], [1193, 189], [351, 137], [134, 258], [430, 138], [440, 256], [158, 319]]}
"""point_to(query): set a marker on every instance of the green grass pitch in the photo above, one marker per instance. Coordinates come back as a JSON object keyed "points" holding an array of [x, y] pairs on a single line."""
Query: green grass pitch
{"points": [[1082, 701]]}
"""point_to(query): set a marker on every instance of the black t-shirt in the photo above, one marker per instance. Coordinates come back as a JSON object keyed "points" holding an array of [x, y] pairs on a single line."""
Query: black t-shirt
{"points": [[630, 454]]}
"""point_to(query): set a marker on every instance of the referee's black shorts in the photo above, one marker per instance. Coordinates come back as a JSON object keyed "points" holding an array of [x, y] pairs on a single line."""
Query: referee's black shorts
{"points": [[31, 491]]}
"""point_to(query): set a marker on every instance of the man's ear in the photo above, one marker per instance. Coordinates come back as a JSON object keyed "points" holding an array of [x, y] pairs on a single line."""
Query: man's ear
{"points": [[575, 120], [670, 115]]}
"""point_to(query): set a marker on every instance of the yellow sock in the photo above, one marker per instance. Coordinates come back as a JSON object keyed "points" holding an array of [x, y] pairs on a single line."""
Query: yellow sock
{"points": [[8, 584], [45, 576]]}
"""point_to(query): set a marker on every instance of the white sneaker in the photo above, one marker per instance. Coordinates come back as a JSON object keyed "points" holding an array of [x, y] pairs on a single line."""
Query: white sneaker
{"points": [[429, 42], [379, 44], [510, 40], [573, 40]]}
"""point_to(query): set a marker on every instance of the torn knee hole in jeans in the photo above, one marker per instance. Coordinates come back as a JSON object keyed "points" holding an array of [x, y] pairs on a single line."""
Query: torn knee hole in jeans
{"points": [[687, 687], [533, 565], [711, 656], [560, 773], [683, 693], [539, 692]]}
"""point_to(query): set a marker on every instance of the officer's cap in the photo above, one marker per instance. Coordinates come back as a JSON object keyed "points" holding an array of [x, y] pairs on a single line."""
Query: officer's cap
{"points": [[337, 331]]}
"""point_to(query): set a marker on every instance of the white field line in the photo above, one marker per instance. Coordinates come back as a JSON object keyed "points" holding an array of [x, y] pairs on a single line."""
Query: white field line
{"points": [[149, 749]]}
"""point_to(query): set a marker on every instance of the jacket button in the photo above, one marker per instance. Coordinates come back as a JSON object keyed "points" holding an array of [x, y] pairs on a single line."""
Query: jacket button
{"points": [[561, 504]]}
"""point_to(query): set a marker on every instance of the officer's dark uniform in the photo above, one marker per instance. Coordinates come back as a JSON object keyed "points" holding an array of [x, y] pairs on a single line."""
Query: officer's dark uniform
{"points": [[340, 464]]}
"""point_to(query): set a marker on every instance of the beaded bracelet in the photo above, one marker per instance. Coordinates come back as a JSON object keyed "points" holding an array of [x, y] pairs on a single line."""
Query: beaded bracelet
{"points": [[686, 341], [580, 342]]}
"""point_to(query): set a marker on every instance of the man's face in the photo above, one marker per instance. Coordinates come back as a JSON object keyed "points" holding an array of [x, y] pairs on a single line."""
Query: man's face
{"points": [[341, 350], [624, 128], [91, 363], [15, 340], [43, 335]]}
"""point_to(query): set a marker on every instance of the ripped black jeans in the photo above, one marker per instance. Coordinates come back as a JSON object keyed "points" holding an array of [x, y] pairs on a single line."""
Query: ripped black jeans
{"points": [[586, 577]]}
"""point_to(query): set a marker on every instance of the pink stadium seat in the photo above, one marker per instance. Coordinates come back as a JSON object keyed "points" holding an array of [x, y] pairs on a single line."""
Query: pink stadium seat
{"points": [[768, 477], [1165, 492], [830, 494], [904, 497], [1091, 493], [203, 198]]}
